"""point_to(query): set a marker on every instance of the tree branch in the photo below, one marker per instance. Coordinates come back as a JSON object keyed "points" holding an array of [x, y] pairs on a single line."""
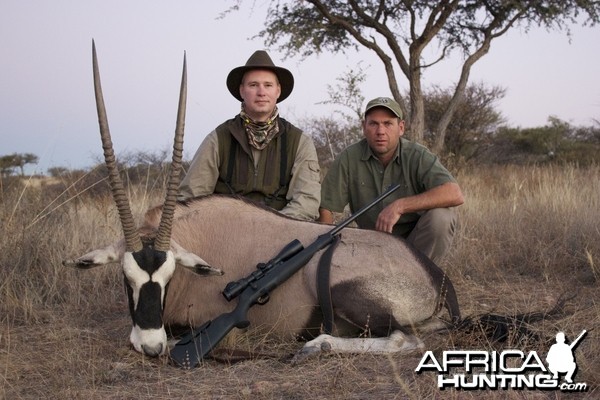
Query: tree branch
{"points": [[372, 45]]}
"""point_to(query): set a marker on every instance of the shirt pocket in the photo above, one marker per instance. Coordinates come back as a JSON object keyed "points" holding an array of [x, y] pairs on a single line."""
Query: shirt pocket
{"points": [[362, 192], [363, 184]]}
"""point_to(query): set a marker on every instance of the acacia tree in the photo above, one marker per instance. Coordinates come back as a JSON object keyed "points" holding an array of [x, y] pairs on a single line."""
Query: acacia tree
{"points": [[16, 160], [474, 122], [399, 31]]}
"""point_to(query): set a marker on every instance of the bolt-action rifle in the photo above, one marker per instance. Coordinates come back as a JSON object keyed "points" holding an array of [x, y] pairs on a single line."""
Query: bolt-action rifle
{"points": [[255, 289]]}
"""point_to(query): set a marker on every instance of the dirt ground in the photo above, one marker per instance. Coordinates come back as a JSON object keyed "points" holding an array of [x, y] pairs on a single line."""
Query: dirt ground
{"points": [[74, 355]]}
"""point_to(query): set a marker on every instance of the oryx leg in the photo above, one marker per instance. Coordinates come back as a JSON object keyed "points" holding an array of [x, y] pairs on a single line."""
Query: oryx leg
{"points": [[397, 342]]}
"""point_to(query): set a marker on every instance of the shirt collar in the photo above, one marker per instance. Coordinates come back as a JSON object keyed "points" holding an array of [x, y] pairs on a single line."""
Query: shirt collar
{"points": [[368, 153]]}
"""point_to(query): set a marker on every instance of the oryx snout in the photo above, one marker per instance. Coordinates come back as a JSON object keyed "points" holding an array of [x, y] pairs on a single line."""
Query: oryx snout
{"points": [[147, 274]]}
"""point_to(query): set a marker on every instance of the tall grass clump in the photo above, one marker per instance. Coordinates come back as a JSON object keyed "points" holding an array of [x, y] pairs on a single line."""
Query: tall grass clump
{"points": [[42, 226], [530, 220]]}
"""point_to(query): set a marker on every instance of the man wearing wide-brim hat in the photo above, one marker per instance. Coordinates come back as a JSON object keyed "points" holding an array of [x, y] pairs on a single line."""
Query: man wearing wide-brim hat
{"points": [[258, 154]]}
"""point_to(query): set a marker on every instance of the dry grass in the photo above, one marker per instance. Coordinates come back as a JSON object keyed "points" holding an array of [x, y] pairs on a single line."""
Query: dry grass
{"points": [[527, 234]]}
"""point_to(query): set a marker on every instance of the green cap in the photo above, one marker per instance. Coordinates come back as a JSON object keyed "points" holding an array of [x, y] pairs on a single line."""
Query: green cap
{"points": [[386, 102]]}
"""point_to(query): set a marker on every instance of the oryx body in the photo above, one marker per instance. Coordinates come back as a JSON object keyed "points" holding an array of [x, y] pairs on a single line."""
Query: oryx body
{"points": [[378, 282]]}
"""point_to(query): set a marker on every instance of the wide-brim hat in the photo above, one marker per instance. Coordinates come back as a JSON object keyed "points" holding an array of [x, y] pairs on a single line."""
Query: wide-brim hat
{"points": [[260, 60]]}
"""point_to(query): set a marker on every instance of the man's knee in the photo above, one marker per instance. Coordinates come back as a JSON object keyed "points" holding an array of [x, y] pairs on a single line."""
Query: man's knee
{"points": [[434, 232], [439, 221]]}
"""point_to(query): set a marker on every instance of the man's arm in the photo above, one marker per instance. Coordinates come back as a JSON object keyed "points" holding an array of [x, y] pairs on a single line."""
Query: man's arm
{"points": [[202, 176], [442, 196], [304, 192], [334, 190]]}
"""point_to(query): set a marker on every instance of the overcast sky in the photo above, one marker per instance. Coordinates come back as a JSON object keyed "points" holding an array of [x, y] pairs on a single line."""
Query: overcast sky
{"points": [[46, 93]]}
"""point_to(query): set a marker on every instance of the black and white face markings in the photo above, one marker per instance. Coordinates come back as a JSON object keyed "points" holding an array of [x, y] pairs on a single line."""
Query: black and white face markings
{"points": [[147, 273]]}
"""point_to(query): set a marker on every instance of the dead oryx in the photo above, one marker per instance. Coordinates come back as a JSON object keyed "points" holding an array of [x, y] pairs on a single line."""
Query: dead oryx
{"points": [[378, 284]]}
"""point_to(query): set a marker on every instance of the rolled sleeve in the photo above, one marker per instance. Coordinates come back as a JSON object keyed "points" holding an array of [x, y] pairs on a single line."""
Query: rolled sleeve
{"points": [[427, 171]]}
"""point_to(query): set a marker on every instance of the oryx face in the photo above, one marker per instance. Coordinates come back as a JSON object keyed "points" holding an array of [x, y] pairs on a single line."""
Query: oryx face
{"points": [[147, 273]]}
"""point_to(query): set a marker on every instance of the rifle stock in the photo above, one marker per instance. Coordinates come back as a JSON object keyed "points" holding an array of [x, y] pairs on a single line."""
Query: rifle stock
{"points": [[195, 345]]}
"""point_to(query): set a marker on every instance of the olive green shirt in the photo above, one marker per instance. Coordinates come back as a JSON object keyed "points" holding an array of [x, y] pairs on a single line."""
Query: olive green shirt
{"points": [[356, 177]]}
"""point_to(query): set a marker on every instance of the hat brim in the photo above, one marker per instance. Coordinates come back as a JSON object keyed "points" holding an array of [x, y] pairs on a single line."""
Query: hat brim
{"points": [[285, 78]]}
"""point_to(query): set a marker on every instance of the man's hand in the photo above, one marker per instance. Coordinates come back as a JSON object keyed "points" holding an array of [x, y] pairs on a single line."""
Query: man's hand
{"points": [[443, 196], [388, 217], [325, 216]]}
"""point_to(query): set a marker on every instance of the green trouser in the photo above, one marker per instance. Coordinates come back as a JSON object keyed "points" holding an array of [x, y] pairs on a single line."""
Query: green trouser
{"points": [[434, 232]]}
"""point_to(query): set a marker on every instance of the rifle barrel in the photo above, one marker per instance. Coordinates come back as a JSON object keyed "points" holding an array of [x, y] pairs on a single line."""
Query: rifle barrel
{"points": [[574, 342]]}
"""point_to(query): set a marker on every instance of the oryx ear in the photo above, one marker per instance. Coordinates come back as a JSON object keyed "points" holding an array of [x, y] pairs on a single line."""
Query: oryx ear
{"points": [[192, 262], [109, 254]]}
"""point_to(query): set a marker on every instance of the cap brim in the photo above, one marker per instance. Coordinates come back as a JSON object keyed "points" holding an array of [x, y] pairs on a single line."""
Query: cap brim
{"points": [[382, 106]]}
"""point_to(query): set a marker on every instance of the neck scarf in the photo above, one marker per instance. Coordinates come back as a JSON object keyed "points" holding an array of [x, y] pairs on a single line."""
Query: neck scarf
{"points": [[260, 133]]}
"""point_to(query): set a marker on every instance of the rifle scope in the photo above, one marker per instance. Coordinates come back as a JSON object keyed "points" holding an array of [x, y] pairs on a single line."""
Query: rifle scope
{"points": [[233, 289]]}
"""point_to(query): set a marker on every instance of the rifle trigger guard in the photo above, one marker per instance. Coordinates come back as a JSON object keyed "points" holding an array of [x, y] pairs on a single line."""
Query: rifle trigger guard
{"points": [[262, 300]]}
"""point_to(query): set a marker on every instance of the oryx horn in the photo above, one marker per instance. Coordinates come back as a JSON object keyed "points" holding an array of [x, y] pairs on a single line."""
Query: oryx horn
{"points": [[132, 238], [163, 238]]}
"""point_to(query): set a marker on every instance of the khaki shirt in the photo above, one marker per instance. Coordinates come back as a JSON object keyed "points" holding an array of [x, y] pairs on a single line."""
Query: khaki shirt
{"points": [[304, 190], [356, 178]]}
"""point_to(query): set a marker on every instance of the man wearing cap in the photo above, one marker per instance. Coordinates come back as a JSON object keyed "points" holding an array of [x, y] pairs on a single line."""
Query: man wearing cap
{"points": [[420, 210], [258, 154]]}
